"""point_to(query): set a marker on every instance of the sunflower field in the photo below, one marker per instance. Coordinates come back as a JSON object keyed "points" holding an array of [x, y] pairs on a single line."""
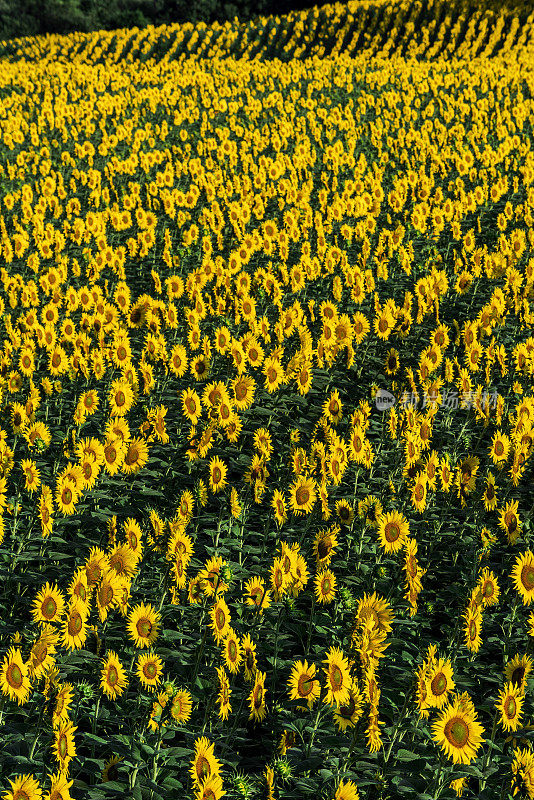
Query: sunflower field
{"points": [[266, 408]]}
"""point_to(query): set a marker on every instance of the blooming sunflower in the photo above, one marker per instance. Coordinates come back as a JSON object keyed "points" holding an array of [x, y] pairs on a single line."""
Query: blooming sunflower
{"points": [[458, 733], [472, 628], [347, 715], [325, 586], [113, 679], [333, 408], [204, 764], [223, 697], [510, 705], [59, 787], [509, 521], [439, 683], [278, 504], [32, 479], [232, 652], [181, 706], [74, 625], [49, 604], [135, 456], [41, 658], [64, 698], [149, 670], [218, 472], [249, 658], [14, 677], [302, 683], [24, 787], [393, 528], [210, 789], [346, 790], [63, 746], [523, 576], [256, 698], [302, 495], [324, 544], [523, 773], [143, 625], [375, 608], [500, 448], [220, 619], [338, 678], [489, 588]]}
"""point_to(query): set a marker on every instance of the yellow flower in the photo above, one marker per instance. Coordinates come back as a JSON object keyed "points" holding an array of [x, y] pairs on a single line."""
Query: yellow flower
{"points": [[302, 683], [113, 679], [510, 704], [143, 625], [14, 678], [458, 733]]}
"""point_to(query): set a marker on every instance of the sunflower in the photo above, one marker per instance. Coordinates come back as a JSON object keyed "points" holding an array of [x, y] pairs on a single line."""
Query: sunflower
{"points": [[278, 504], [181, 706], [490, 496], [120, 397], [338, 679], [223, 697], [392, 363], [510, 522], [210, 789], [375, 608], [232, 652], [523, 576], [324, 545], [191, 405], [256, 698], [143, 625], [302, 683], [95, 566], [346, 790], [74, 625], [393, 528], [41, 658], [204, 764], [523, 773], [243, 389], [32, 479], [510, 704], [59, 787], [135, 457], [24, 787], [67, 496], [109, 593], [14, 677], [113, 679], [517, 670], [218, 472], [274, 374], [249, 657], [419, 492], [110, 771], [49, 604], [458, 733], [62, 705], [500, 448], [345, 512], [325, 586], [370, 510], [302, 495], [489, 588], [472, 628], [333, 408], [439, 683], [348, 714]]}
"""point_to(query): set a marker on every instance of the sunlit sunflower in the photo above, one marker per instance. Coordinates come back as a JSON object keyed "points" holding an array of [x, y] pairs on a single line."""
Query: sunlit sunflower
{"points": [[181, 706], [472, 629], [143, 625], [258, 709], [24, 787], [218, 472], [333, 408], [32, 479], [135, 456], [347, 714], [509, 521], [63, 746], [302, 495], [278, 504], [223, 697], [523, 576], [113, 679], [232, 652], [325, 586], [338, 678], [489, 588], [220, 620], [41, 657], [59, 787], [500, 448], [393, 528], [324, 544], [302, 683], [346, 790], [440, 683], [49, 604], [377, 610], [74, 625], [64, 698], [204, 764], [249, 658], [14, 677], [523, 773], [510, 704], [210, 789], [458, 733], [345, 512]]}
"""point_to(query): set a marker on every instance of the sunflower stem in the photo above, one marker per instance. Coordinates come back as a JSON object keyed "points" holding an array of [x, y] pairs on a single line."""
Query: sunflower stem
{"points": [[397, 726], [488, 753], [315, 725], [93, 726]]}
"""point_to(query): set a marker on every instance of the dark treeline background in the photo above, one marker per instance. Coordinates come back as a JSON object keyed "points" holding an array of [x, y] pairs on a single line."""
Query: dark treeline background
{"points": [[32, 17]]}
